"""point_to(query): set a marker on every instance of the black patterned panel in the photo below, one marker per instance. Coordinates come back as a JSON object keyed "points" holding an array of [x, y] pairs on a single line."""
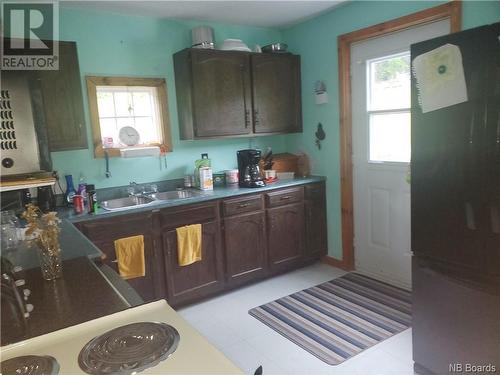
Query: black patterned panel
{"points": [[7, 131]]}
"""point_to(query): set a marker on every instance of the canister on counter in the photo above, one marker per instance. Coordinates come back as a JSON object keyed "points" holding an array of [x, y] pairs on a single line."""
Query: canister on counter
{"points": [[219, 179], [232, 176]]}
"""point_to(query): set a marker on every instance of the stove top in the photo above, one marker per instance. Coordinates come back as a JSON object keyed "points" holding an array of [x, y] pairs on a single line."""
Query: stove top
{"points": [[136, 340], [30, 365], [129, 349]]}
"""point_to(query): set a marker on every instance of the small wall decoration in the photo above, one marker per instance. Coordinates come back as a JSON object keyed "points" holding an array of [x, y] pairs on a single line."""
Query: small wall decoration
{"points": [[320, 135], [321, 96]]}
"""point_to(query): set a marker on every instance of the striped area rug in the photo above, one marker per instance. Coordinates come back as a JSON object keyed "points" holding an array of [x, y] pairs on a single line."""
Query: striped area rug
{"points": [[340, 318]]}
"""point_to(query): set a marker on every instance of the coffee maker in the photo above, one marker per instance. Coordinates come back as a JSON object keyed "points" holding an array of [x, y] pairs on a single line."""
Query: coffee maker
{"points": [[248, 168]]}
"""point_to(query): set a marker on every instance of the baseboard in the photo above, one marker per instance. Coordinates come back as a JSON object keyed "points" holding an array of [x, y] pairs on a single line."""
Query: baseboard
{"points": [[334, 262]]}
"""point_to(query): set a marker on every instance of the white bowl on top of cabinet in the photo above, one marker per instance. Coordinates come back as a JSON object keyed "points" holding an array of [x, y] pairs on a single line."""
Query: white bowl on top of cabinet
{"points": [[234, 45]]}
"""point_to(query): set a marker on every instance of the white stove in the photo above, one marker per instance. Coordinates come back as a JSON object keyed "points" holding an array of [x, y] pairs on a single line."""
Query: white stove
{"points": [[150, 339]]}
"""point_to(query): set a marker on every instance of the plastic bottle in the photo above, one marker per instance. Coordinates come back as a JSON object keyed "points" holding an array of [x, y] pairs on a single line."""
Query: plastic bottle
{"points": [[70, 189], [82, 187], [203, 173]]}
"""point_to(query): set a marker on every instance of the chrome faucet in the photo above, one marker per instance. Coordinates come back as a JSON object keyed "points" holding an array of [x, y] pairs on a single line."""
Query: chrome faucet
{"points": [[131, 189], [134, 189], [149, 189]]}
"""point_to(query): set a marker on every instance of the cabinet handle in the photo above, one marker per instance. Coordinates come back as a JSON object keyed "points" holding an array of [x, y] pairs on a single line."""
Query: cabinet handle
{"points": [[243, 205], [247, 118], [256, 117], [285, 197]]}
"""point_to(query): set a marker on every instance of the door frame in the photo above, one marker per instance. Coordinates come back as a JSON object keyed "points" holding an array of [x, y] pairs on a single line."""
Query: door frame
{"points": [[452, 11]]}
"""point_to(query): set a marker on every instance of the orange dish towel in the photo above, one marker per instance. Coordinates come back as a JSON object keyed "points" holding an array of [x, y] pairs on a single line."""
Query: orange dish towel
{"points": [[130, 256], [188, 244]]}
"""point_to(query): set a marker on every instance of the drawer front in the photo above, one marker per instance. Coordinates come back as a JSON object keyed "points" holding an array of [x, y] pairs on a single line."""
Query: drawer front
{"points": [[282, 197], [186, 215], [242, 205]]}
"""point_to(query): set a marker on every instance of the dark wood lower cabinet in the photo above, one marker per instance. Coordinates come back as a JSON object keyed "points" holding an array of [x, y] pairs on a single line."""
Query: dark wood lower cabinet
{"points": [[200, 279], [245, 248], [315, 220], [103, 234], [251, 241], [285, 232]]}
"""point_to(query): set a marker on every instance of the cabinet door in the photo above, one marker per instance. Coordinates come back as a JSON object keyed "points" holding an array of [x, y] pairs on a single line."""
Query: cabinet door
{"points": [[221, 93], [103, 233], [245, 248], [316, 229], [63, 102], [276, 93], [197, 280], [285, 233]]}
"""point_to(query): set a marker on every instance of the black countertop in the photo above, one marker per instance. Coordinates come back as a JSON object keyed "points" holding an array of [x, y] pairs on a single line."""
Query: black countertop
{"points": [[87, 290]]}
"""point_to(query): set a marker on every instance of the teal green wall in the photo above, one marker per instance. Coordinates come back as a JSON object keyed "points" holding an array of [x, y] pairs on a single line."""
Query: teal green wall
{"points": [[111, 44], [316, 42]]}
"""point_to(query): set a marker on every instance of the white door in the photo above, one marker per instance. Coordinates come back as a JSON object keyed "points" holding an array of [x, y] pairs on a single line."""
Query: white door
{"points": [[381, 152]]}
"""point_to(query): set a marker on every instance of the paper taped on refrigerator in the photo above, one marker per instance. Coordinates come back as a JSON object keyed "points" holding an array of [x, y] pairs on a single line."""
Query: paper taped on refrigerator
{"points": [[440, 78]]}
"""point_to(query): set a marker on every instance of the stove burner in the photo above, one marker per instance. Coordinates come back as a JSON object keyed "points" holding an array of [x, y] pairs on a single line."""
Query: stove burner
{"points": [[129, 349], [30, 365]]}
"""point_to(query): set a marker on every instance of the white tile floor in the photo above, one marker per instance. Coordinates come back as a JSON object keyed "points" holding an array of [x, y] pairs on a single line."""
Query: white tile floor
{"points": [[225, 322]]}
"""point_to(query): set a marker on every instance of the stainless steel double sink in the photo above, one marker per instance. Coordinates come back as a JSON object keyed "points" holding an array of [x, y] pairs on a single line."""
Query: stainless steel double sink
{"points": [[135, 201]]}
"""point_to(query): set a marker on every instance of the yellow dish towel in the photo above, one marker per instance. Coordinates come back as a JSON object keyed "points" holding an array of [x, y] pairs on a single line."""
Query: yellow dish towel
{"points": [[188, 244], [130, 255]]}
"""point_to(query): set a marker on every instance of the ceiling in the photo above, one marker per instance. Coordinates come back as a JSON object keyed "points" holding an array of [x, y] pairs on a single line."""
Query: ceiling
{"points": [[270, 13]]}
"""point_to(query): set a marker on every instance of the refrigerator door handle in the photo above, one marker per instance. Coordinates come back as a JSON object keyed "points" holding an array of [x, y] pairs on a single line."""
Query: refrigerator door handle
{"points": [[495, 218], [469, 216], [472, 126]]}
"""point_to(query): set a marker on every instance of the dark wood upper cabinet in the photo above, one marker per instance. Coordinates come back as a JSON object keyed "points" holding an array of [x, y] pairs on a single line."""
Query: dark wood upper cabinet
{"points": [[276, 93], [103, 234], [63, 101], [235, 94], [315, 218], [213, 93]]}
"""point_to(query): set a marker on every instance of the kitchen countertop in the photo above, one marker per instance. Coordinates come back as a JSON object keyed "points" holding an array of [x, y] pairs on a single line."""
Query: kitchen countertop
{"points": [[87, 290], [80, 295], [227, 191]]}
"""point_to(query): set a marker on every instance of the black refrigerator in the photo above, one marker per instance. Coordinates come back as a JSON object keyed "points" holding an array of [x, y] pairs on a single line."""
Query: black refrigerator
{"points": [[455, 205]]}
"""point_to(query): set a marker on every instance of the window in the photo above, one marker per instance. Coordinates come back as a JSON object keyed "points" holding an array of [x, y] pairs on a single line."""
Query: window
{"points": [[128, 112], [388, 106]]}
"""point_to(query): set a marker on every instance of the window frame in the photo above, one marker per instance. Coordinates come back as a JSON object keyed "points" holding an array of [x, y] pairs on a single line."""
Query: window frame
{"points": [[161, 90], [370, 111]]}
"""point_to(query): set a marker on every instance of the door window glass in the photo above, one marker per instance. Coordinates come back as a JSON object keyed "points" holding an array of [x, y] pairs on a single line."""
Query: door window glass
{"points": [[388, 107]]}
